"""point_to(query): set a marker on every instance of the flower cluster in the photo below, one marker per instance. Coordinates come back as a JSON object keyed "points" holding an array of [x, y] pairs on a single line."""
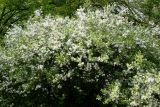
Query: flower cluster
{"points": [[97, 49]]}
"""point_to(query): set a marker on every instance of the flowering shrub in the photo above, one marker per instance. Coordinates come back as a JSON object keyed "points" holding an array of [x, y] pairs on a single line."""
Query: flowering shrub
{"points": [[95, 59]]}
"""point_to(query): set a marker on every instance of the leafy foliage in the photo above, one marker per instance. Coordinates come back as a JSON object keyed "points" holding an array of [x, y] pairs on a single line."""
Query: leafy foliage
{"points": [[14, 12], [95, 59], [149, 8]]}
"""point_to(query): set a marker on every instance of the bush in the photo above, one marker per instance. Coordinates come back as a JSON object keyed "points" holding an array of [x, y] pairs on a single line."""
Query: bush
{"points": [[96, 59]]}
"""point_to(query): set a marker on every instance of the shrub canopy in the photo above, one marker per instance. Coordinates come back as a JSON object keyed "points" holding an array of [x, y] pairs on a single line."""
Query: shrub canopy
{"points": [[95, 59]]}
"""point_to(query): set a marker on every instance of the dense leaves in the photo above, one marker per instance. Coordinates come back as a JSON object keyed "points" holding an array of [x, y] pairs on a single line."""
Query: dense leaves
{"points": [[14, 12], [149, 9], [96, 59]]}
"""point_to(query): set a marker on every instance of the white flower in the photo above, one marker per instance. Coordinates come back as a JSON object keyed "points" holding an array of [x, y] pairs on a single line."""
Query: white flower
{"points": [[80, 13], [38, 87], [37, 13], [40, 67], [23, 47], [150, 80]]}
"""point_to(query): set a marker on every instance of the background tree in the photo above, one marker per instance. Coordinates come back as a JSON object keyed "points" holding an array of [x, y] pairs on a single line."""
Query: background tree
{"points": [[149, 8], [18, 11]]}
